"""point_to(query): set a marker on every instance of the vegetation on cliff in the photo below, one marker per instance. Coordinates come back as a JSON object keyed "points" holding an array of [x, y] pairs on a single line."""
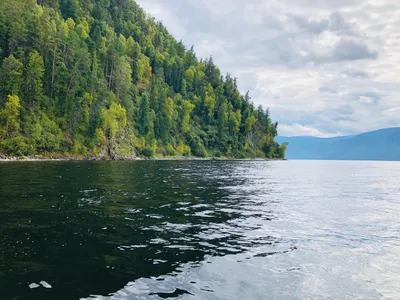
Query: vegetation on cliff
{"points": [[102, 78]]}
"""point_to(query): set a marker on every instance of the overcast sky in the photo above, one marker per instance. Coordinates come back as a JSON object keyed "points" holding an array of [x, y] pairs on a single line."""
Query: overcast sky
{"points": [[324, 67]]}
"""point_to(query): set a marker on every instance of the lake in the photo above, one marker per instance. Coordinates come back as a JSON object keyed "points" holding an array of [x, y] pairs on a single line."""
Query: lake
{"points": [[200, 230]]}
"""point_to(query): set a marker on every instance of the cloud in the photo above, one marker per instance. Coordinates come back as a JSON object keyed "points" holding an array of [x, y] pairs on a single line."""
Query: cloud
{"points": [[323, 67], [356, 74], [328, 90], [300, 130], [351, 50], [366, 100], [311, 26], [335, 22], [367, 97]]}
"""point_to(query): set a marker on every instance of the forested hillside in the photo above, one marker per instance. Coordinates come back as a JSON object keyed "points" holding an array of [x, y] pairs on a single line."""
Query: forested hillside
{"points": [[102, 78]]}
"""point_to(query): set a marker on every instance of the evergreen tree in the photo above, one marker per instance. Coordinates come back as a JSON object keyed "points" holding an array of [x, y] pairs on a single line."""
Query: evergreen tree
{"points": [[86, 77], [34, 80]]}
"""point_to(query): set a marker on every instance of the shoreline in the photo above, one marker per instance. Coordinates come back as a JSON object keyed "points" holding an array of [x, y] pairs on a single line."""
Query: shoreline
{"points": [[189, 158]]}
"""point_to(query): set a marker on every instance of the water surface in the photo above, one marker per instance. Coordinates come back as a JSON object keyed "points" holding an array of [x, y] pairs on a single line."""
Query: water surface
{"points": [[200, 230]]}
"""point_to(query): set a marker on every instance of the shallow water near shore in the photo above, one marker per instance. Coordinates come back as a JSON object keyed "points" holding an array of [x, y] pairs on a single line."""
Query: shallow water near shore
{"points": [[200, 230]]}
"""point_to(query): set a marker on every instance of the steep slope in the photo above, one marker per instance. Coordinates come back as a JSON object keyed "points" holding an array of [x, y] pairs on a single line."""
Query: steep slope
{"points": [[382, 144], [102, 78]]}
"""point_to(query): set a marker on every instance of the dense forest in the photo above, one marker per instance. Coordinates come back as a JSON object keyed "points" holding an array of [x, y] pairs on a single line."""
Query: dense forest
{"points": [[103, 78]]}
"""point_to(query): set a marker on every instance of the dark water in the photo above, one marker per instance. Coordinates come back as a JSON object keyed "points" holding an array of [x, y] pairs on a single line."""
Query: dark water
{"points": [[200, 230]]}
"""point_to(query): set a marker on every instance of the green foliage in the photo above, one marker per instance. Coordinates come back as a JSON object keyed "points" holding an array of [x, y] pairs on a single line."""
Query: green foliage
{"points": [[18, 146], [282, 149], [34, 78], [196, 146], [147, 152], [170, 150], [114, 120], [143, 122], [10, 115], [234, 122], [183, 149], [11, 75], [45, 136], [187, 109], [103, 78], [99, 141]]}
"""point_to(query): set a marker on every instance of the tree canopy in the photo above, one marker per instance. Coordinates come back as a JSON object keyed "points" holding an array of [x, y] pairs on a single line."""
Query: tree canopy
{"points": [[102, 77]]}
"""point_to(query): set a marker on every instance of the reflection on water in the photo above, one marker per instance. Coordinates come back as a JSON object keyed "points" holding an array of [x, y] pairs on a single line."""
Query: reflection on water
{"points": [[200, 230]]}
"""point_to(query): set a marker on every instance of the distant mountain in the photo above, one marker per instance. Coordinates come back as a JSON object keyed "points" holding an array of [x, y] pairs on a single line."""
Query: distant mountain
{"points": [[381, 144]]}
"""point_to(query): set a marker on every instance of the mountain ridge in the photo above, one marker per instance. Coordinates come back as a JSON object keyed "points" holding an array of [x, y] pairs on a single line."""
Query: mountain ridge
{"points": [[381, 144]]}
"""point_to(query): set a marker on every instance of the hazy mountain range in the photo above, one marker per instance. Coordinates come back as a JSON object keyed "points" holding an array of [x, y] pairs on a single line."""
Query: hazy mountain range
{"points": [[383, 144]]}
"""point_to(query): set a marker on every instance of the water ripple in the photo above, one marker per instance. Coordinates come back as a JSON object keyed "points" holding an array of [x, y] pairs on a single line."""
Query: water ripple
{"points": [[200, 230]]}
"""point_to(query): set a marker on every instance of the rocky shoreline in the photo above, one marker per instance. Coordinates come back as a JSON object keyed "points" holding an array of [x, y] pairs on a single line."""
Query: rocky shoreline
{"points": [[67, 158]]}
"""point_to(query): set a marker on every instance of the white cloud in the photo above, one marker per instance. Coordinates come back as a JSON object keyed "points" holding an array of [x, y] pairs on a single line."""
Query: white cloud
{"points": [[300, 130], [157, 9], [322, 66], [366, 100]]}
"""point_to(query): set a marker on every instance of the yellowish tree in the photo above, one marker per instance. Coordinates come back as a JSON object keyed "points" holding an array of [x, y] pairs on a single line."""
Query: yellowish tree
{"points": [[11, 114], [187, 109], [114, 120]]}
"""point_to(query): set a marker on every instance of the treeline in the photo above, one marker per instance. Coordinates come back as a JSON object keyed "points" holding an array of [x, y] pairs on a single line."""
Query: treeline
{"points": [[102, 78]]}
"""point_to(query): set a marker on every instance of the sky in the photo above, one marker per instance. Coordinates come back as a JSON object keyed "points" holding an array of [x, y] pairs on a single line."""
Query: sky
{"points": [[323, 67]]}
